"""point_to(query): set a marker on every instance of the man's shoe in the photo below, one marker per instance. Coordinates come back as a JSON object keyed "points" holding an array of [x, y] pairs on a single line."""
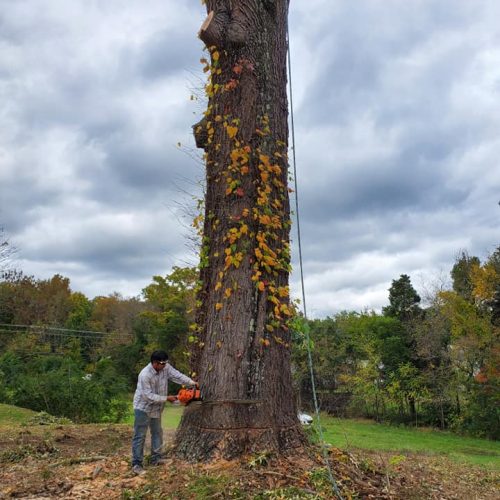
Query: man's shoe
{"points": [[162, 461], [138, 470]]}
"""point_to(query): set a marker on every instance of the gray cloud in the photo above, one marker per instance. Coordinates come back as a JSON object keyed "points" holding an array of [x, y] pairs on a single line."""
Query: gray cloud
{"points": [[396, 125]]}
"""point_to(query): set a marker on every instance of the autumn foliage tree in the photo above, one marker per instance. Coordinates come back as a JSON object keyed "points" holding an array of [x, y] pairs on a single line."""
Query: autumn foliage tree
{"points": [[242, 339]]}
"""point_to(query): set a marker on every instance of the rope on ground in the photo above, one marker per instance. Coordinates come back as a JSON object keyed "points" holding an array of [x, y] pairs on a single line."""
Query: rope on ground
{"points": [[299, 243]]}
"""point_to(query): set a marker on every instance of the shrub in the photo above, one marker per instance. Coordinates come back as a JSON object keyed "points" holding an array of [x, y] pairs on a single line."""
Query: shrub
{"points": [[61, 387]]}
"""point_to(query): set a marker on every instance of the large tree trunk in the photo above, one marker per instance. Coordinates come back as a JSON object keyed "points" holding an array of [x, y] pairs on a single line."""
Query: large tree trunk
{"points": [[242, 349]]}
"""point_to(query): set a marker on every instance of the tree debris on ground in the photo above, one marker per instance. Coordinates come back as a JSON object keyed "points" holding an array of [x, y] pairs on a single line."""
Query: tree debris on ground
{"points": [[92, 461]]}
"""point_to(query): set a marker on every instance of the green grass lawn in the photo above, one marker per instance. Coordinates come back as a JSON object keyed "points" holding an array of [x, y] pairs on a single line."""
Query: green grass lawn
{"points": [[13, 415], [170, 418], [367, 435]]}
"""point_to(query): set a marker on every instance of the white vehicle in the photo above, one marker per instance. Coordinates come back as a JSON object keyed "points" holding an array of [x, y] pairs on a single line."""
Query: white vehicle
{"points": [[305, 419]]}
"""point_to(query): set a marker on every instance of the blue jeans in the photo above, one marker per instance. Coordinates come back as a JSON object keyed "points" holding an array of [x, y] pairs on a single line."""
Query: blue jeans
{"points": [[141, 423]]}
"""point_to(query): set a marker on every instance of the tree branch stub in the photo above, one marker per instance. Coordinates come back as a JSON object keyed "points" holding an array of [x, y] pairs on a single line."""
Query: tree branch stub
{"points": [[212, 30]]}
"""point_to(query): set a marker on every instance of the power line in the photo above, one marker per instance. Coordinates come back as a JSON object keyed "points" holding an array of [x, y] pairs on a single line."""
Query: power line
{"points": [[62, 332]]}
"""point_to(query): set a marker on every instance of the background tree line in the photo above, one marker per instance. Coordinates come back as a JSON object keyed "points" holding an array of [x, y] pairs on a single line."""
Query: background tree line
{"points": [[436, 365], [71, 356]]}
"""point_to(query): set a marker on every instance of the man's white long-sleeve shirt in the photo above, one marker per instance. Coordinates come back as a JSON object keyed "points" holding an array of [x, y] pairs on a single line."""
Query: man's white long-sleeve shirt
{"points": [[152, 388]]}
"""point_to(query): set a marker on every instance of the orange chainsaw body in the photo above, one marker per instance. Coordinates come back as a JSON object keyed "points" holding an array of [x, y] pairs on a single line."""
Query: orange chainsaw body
{"points": [[186, 396]]}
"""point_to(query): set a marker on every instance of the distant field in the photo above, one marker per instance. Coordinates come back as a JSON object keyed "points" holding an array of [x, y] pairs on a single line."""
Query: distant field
{"points": [[12, 415], [367, 435]]}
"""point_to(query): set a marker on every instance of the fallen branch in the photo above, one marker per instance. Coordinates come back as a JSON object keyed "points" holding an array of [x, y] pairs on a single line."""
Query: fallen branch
{"points": [[78, 460], [271, 473]]}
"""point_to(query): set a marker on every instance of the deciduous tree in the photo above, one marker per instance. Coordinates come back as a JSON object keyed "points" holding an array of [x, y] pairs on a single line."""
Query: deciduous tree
{"points": [[243, 341]]}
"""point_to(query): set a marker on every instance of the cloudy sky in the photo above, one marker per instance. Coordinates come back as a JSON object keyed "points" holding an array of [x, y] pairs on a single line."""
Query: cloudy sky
{"points": [[397, 125]]}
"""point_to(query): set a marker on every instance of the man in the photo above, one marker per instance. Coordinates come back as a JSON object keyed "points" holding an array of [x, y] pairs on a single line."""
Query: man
{"points": [[149, 401]]}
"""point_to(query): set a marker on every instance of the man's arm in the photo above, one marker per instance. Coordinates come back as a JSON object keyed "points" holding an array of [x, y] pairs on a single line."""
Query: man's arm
{"points": [[179, 377]]}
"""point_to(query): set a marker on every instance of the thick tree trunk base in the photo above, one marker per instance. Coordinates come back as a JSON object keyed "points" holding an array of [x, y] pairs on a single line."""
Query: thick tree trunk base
{"points": [[197, 440]]}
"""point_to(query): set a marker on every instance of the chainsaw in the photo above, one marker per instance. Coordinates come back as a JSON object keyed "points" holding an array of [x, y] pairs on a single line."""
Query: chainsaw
{"points": [[186, 396]]}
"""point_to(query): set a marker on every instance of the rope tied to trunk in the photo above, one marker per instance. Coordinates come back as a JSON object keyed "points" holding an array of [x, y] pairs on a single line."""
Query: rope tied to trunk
{"points": [[331, 477]]}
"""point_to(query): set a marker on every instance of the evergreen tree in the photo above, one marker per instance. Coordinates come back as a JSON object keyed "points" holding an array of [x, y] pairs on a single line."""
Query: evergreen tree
{"points": [[403, 300]]}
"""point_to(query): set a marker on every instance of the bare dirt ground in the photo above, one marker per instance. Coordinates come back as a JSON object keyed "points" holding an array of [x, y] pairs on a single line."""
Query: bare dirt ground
{"points": [[92, 462]]}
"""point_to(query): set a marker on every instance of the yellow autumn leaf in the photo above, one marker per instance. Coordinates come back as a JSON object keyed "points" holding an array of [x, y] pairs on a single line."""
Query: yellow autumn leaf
{"points": [[218, 285], [261, 286], [218, 306], [244, 229], [227, 292], [256, 276], [231, 131], [215, 56]]}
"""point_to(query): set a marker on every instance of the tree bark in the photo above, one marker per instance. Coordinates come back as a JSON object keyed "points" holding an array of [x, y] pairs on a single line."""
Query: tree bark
{"points": [[242, 348]]}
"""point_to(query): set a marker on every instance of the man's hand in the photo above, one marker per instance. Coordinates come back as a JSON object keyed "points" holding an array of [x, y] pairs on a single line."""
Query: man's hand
{"points": [[172, 399]]}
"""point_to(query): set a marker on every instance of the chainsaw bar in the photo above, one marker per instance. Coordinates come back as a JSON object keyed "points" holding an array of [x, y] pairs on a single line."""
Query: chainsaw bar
{"points": [[228, 401]]}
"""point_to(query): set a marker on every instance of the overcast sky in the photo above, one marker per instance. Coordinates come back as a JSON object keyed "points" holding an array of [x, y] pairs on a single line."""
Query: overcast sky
{"points": [[397, 126]]}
